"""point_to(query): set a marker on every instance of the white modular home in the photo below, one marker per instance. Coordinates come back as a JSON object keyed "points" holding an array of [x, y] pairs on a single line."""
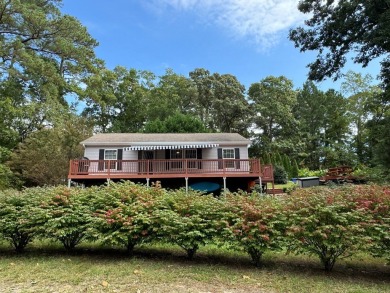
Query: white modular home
{"points": [[175, 159]]}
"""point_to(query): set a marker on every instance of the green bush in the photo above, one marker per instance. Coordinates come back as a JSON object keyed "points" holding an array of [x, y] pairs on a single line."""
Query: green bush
{"points": [[189, 220], [305, 172], [255, 224], [324, 222], [21, 216], [124, 214], [373, 202], [280, 175], [331, 223], [69, 218]]}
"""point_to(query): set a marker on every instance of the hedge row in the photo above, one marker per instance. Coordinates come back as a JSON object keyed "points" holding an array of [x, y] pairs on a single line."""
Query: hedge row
{"points": [[330, 223]]}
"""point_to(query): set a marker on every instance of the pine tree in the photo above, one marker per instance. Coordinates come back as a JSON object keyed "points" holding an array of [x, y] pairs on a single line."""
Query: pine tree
{"points": [[295, 169]]}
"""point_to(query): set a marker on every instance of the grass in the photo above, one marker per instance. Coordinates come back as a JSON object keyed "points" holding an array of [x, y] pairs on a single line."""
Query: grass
{"points": [[163, 268]]}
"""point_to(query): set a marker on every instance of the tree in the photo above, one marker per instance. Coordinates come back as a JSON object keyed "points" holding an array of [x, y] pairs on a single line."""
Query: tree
{"points": [[177, 123], [229, 107], [362, 95], [44, 57], [117, 100], [204, 84], [36, 39], [337, 28], [173, 93], [43, 157], [323, 127], [272, 101]]}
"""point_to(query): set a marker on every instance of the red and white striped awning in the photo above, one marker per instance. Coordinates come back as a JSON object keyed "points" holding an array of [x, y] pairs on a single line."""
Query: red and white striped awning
{"points": [[170, 147]]}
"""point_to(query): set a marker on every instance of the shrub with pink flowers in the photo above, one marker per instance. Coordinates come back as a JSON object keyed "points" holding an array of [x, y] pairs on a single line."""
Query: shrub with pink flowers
{"points": [[254, 224], [330, 223]]}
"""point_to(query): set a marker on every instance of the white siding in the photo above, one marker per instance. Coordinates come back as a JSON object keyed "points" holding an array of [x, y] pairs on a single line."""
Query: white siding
{"points": [[92, 153], [212, 154]]}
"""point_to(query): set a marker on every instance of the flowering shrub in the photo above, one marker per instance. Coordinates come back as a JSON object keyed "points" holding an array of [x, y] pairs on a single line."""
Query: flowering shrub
{"points": [[188, 220], [330, 223], [324, 222], [254, 224], [124, 213], [68, 216], [373, 201], [21, 218]]}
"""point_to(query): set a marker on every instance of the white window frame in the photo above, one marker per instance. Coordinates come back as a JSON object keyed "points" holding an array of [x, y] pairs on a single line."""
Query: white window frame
{"points": [[113, 165], [228, 161]]}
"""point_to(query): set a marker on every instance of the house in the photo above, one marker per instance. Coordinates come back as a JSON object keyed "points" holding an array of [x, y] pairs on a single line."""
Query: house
{"points": [[174, 159]]}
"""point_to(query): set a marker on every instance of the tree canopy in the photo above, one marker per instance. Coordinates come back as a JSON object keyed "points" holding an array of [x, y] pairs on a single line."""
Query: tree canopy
{"points": [[337, 28], [54, 92]]}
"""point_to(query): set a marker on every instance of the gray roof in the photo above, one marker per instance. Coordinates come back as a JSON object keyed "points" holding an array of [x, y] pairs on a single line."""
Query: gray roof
{"points": [[166, 138]]}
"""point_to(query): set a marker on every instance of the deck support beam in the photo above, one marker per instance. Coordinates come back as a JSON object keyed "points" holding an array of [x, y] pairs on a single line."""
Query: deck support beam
{"points": [[261, 185], [108, 181], [69, 182], [186, 179], [224, 185], [148, 182]]}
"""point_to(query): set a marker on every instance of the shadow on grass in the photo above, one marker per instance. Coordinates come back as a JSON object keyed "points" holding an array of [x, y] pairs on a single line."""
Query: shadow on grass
{"points": [[273, 262]]}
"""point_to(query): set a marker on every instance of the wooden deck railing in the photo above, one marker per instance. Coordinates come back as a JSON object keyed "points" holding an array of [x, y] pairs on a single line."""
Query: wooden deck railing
{"points": [[166, 168]]}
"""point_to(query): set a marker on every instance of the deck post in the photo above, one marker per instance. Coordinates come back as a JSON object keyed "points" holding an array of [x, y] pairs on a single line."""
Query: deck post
{"points": [[261, 186], [108, 181], [147, 182], [186, 178], [224, 185], [69, 182]]}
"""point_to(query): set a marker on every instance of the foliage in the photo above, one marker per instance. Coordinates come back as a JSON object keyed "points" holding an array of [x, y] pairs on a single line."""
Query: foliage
{"points": [[305, 172], [172, 93], [254, 224], [43, 158], [272, 100], [115, 99], [379, 133], [324, 222], [7, 178], [295, 169], [374, 202], [21, 218], [68, 217], [124, 214], [280, 175], [331, 223], [323, 127], [362, 96], [189, 220], [44, 57], [220, 102], [337, 28], [176, 123]]}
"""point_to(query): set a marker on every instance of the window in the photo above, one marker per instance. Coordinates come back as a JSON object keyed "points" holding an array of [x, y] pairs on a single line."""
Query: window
{"points": [[110, 155], [177, 155], [228, 155], [180, 154]]}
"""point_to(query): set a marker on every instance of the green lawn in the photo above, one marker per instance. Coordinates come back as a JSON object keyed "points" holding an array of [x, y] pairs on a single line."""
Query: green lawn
{"points": [[162, 268]]}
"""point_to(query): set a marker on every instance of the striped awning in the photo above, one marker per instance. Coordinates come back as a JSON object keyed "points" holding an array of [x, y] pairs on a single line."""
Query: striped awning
{"points": [[169, 147]]}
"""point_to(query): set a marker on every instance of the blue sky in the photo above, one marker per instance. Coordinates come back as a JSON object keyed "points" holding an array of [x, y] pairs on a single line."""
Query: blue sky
{"points": [[245, 38]]}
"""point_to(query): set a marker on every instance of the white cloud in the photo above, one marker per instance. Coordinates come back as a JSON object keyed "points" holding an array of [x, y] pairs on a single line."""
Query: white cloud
{"points": [[262, 21]]}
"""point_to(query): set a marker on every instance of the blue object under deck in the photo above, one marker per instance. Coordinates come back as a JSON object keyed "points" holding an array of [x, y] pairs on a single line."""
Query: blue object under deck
{"points": [[206, 186]]}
